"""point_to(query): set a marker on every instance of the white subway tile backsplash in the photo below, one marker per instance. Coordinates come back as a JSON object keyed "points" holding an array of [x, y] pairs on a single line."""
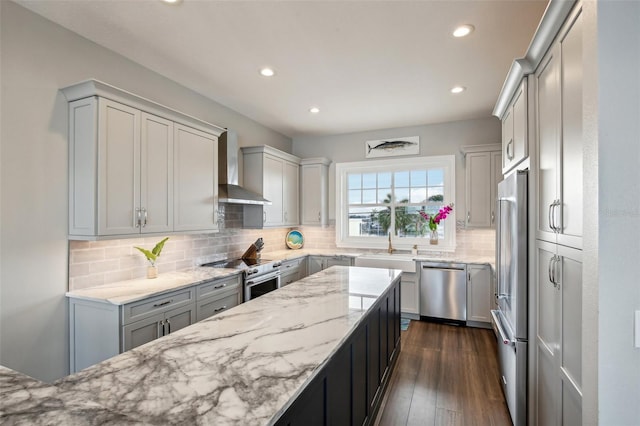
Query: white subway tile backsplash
{"points": [[93, 263], [86, 255], [104, 266]]}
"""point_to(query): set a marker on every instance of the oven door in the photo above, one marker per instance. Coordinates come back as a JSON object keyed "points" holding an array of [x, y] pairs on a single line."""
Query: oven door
{"points": [[263, 284]]}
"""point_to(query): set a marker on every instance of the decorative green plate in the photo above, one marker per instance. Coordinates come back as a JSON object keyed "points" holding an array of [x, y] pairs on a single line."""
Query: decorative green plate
{"points": [[295, 240]]}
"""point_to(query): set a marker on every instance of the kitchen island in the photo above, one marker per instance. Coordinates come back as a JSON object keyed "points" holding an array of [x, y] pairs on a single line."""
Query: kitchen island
{"points": [[292, 356]]}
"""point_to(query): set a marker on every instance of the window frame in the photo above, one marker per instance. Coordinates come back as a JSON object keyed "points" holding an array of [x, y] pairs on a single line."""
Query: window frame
{"points": [[445, 162]]}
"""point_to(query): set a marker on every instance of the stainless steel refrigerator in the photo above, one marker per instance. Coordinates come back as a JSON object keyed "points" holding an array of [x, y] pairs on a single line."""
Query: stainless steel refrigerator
{"points": [[510, 319]]}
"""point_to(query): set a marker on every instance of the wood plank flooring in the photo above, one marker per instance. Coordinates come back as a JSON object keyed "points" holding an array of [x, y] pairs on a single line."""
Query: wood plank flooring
{"points": [[445, 375]]}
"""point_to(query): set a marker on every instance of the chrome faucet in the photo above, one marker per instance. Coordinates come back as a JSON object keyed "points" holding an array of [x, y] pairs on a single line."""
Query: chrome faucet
{"points": [[390, 249]]}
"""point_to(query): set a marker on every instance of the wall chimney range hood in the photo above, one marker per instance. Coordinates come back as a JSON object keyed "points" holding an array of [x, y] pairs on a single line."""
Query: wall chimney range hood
{"points": [[228, 190]]}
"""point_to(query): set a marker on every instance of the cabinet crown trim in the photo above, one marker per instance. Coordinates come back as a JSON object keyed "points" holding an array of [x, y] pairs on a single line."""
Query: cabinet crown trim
{"points": [[266, 149], [92, 87], [315, 160], [481, 148], [554, 16]]}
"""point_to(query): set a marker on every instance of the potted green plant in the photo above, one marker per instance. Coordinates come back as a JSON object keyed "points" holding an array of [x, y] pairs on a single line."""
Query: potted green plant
{"points": [[152, 256]]}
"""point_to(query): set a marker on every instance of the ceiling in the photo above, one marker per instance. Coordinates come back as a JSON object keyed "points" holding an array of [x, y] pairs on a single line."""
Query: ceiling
{"points": [[366, 64]]}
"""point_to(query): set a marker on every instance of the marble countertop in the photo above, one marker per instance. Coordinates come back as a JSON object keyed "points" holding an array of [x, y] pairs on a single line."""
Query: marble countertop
{"points": [[244, 366], [130, 291], [25, 400], [453, 257]]}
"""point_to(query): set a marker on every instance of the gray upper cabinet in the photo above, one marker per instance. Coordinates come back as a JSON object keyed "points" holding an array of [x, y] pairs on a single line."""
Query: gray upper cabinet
{"points": [[276, 176], [314, 191], [514, 130], [156, 173], [137, 167], [195, 180], [559, 119], [483, 172]]}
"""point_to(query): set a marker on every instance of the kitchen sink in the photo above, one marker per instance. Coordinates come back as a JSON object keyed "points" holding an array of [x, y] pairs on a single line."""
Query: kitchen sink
{"points": [[403, 262]]}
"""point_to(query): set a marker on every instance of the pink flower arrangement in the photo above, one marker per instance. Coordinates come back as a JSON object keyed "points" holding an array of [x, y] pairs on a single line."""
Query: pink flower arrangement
{"points": [[435, 220]]}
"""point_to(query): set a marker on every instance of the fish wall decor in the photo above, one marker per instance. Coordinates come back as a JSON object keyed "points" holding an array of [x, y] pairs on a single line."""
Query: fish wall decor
{"points": [[409, 145]]}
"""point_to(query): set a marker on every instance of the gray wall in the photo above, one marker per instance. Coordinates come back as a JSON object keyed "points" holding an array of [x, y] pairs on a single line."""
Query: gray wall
{"points": [[611, 363], [435, 139], [39, 57]]}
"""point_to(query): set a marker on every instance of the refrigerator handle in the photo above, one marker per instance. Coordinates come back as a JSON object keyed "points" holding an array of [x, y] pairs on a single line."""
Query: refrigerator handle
{"points": [[499, 262], [498, 328]]}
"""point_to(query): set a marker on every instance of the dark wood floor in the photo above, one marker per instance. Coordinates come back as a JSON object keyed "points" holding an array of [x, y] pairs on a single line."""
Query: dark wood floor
{"points": [[445, 375]]}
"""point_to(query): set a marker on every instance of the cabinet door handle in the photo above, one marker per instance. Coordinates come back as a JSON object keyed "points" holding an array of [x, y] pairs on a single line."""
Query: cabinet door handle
{"points": [[556, 209], [468, 216], [319, 217], [510, 152], [551, 226], [168, 326], [549, 271], [145, 218], [166, 302], [137, 220], [264, 216], [556, 281], [160, 330], [493, 217], [220, 309], [220, 286]]}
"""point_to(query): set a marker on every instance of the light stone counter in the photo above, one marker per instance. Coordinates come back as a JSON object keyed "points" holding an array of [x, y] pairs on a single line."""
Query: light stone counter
{"points": [[452, 257], [25, 400], [129, 291], [242, 367]]}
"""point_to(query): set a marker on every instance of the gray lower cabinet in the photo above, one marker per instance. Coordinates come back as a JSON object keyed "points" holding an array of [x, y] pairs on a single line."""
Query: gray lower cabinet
{"points": [[479, 295], [211, 306], [349, 389], [217, 296], [293, 270], [319, 263], [144, 331], [99, 330]]}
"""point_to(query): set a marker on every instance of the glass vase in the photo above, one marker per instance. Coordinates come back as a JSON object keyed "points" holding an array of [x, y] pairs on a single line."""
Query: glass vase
{"points": [[433, 237], [152, 272]]}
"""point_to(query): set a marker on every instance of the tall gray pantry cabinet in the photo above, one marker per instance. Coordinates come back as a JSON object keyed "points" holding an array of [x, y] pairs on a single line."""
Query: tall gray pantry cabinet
{"points": [[558, 254]]}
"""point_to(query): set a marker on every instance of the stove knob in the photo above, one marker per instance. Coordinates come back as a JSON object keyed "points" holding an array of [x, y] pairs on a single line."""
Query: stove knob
{"points": [[253, 271]]}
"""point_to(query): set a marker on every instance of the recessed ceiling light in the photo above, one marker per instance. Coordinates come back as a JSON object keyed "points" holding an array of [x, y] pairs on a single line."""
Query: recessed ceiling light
{"points": [[267, 72], [458, 89], [463, 30], [314, 110], [172, 1]]}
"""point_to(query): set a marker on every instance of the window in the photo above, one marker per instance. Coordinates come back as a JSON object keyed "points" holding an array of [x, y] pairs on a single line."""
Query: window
{"points": [[375, 198]]}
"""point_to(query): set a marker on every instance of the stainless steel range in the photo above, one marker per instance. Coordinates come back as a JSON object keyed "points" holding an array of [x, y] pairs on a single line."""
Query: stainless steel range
{"points": [[260, 276]]}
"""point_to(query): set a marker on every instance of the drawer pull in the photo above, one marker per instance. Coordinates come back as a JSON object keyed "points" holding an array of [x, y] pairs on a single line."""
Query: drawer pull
{"points": [[168, 326], [220, 286], [220, 309], [166, 302]]}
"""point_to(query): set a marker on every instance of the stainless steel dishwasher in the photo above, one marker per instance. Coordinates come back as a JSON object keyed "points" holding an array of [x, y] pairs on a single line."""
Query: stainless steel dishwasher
{"points": [[443, 291]]}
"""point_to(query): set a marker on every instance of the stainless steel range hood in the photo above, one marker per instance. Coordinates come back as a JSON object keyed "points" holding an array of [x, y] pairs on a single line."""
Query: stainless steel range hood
{"points": [[228, 190]]}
